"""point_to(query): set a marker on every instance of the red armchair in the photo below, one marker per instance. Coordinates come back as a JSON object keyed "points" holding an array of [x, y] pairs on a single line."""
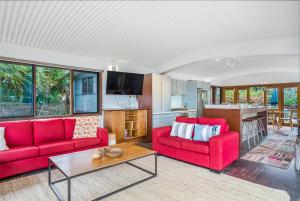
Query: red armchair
{"points": [[31, 143], [217, 154]]}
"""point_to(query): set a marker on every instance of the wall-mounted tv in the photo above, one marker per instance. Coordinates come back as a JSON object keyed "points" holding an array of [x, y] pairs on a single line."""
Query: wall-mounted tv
{"points": [[122, 83]]}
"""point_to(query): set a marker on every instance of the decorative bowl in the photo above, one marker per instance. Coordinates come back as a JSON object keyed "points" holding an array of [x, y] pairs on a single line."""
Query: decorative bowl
{"points": [[97, 154], [113, 152]]}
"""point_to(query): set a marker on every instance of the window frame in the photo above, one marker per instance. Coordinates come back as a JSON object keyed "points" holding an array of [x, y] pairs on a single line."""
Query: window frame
{"points": [[34, 102], [33, 90]]}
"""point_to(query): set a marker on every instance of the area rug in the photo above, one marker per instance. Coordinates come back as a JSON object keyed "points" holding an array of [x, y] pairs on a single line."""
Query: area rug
{"points": [[276, 150], [176, 181]]}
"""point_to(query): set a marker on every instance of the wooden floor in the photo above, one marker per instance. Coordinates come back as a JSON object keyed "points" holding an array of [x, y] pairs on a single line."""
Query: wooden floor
{"points": [[288, 180]]}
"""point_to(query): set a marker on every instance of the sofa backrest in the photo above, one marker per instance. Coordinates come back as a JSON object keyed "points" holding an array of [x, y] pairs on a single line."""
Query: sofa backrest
{"points": [[206, 121], [69, 127], [18, 133], [48, 130], [213, 121], [186, 120]]}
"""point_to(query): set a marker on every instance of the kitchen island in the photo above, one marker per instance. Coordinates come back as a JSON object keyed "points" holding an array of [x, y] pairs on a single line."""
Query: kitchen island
{"points": [[234, 114]]}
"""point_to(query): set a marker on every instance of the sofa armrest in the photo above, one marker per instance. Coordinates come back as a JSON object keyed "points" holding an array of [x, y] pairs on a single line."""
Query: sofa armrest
{"points": [[227, 128], [159, 132], [102, 134], [223, 150]]}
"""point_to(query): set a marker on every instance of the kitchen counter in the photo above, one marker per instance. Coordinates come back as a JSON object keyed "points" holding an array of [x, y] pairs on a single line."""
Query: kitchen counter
{"points": [[171, 112], [234, 114], [118, 109]]}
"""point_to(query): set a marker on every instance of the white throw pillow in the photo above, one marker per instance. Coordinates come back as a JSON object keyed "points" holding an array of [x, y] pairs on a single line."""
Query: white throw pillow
{"points": [[174, 130], [2, 140], [182, 130], [189, 131]]}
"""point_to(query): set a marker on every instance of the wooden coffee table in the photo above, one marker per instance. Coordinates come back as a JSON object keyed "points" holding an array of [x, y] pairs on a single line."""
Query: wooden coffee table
{"points": [[80, 163]]}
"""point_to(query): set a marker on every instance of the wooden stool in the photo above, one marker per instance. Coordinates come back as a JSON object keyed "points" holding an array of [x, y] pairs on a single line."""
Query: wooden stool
{"points": [[249, 124]]}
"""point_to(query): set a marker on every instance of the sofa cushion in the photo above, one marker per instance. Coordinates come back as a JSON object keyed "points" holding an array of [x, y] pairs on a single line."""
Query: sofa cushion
{"points": [[213, 122], [174, 130], [86, 142], [69, 127], [48, 130], [204, 132], [3, 145], [186, 120], [18, 133], [200, 147], [86, 127], [170, 141], [18, 153], [55, 147]]}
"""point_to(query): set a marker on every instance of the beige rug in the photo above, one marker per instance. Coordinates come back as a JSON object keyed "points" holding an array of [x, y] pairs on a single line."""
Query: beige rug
{"points": [[176, 181]]}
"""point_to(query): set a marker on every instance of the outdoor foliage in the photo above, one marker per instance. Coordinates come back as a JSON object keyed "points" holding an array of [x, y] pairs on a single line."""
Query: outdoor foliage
{"points": [[243, 96], [52, 91], [229, 94], [290, 97], [15, 82], [16, 90]]}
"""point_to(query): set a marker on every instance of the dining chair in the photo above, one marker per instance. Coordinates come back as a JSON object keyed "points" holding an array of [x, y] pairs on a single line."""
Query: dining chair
{"points": [[290, 119]]}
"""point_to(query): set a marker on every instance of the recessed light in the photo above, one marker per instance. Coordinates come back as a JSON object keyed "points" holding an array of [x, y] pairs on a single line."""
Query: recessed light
{"points": [[217, 59]]}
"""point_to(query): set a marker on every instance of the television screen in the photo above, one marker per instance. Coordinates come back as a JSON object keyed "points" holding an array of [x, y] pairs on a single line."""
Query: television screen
{"points": [[124, 83]]}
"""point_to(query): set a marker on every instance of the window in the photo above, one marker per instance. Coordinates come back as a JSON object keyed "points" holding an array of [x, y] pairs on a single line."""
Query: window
{"points": [[16, 90], [38, 91], [85, 92], [290, 102], [272, 98], [242, 96], [229, 96], [257, 95], [52, 91], [87, 85]]}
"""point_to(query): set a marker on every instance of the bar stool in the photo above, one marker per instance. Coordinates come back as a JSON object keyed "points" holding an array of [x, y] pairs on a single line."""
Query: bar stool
{"points": [[262, 126], [249, 125]]}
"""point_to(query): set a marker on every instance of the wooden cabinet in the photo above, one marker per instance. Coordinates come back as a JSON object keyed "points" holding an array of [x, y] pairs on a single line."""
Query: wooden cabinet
{"points": [[126, 124]]}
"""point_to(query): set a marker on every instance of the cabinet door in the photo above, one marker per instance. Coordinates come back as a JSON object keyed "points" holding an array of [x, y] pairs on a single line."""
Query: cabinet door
{"points": [[190, 95], [200, 84], [180, 86], [156, 93], [173, 87], [166, 94]]}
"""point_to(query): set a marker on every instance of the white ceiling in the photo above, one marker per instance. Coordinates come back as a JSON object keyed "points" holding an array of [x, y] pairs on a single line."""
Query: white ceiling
{"points": [[162, 36], [256, 69]]}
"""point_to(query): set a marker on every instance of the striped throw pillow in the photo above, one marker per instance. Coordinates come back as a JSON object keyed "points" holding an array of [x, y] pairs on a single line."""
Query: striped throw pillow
{"points": [[174, 131], [189, 131], [205, 132], [182, 130]]}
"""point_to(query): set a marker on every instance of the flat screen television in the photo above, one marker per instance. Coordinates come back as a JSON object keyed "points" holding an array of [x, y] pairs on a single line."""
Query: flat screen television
{"points": [[122, 83]]}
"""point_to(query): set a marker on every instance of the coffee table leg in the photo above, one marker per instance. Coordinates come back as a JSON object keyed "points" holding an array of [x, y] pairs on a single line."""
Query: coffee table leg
{"points": [[49, 173], [69, 189], [155, 155]]}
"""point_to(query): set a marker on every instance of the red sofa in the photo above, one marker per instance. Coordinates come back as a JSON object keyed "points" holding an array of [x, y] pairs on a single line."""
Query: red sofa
{"points": [[32, 142], [216, 154]]}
